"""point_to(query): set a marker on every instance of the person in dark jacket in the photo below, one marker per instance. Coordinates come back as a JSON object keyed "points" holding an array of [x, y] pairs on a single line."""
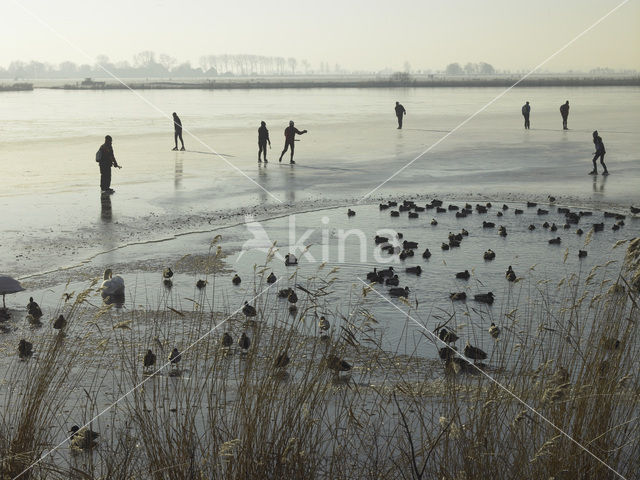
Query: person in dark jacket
{"points": [[600, 151], [564, 111], [526, 110], [106, 160], [400, 112], [263, 139], [289, 139], [177, 132]]}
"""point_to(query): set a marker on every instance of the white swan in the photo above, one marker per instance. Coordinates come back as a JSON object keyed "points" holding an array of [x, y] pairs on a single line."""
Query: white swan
{"points": [[112, 286]]}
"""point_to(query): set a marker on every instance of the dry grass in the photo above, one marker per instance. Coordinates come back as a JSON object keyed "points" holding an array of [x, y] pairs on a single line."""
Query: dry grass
{"points": [[554, 373]]}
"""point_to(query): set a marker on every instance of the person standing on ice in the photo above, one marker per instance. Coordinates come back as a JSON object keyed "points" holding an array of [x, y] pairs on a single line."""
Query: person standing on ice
{"points": [[106, 159], [177, 133], [564, 111], [600, 151], [263, 138], [526, 110], [289, 139], [400, 112]]}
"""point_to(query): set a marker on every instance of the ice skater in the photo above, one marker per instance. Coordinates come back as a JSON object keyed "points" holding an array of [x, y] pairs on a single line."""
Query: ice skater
{"points": [[106, 160], [177, 132], [600, 151], [289, 139], [526, 110], [564, 111], [400, 112], [263, 139]]}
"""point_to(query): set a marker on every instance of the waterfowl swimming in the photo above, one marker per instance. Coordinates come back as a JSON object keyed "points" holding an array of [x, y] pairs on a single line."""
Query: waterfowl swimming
{"points": [[489, 255], [474, 353], [434, 221], [395, 213], [271, 278], [167, 273], [244, 342], [453, 207], [323, 324], [200, 284], [392, 203], [532, 227], [236, 279], [462, 214], [634, 210], [415, 270], [444, 246], [408, 245], [615, 227], [414, 215], [293, 309], [481, 208], [282, 360], [293, 298], [350, 213], [337, 365], [290, 259], [447, 353], [553, 227], [582, 253], [484, 298], [459, 296], [250, 310], [380, 239], [441, 210], [149, 360], [494, 330], [285, 292], [399, 235], [436, 203], [517, 211], [227, 340], [60, 322], [426, 253], [563, 210], [551, 199], [531, 204], [373, 276], [464, 233], [403, 254], [488, 225], [488, 205], [510, 274], [399, 292], [505, 206], [33, 309], [384, 206], [175, 357], [499, 214], [463, 275], [454, 243], [82, 438], [598, 227], [393, 282], [388, 272], [404, 208], [542, 212], [555, 241], [418, 209], [25, 349], [447, 336], [112, 286]]}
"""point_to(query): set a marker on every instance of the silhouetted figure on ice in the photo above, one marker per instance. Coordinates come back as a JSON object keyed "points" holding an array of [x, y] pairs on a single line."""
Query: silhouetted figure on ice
{"points": [[263, 139], [400, 113], [526, 110], [177, 133], [564, 111], [600, 151], [106, 160], [289, 139]]}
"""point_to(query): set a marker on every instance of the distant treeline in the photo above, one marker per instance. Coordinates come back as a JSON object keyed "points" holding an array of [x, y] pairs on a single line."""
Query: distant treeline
{"points": [[147, 64]]}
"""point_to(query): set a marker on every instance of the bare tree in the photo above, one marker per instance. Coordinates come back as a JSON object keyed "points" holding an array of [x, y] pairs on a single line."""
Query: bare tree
{"points": [[293, 63]]}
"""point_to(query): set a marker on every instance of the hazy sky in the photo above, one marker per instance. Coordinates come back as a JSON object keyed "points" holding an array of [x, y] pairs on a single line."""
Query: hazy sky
{"points": [[357, 34]]}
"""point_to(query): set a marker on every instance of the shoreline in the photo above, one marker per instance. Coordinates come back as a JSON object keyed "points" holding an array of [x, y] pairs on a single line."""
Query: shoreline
{"points": [[249, 83]]}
